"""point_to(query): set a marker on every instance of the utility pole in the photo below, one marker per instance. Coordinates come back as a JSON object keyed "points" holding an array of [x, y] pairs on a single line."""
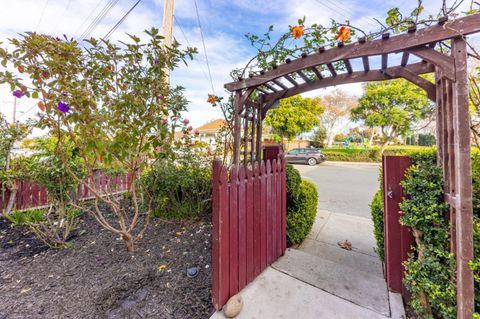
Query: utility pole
{"points": [[167, 27]]}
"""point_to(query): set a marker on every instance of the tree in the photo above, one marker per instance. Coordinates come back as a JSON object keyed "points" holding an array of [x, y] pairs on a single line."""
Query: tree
{"points": [[337, 107], [112, 103], [294, 115], [319, 136], [392, 106]]}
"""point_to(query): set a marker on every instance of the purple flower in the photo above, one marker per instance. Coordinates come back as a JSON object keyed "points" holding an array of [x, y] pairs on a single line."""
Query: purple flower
{"points": [[160, 97], [18, 93], [63, 107], [155, 61]]}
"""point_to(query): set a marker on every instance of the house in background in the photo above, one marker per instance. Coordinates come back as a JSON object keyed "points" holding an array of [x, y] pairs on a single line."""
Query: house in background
{"points": [[207, 133]]}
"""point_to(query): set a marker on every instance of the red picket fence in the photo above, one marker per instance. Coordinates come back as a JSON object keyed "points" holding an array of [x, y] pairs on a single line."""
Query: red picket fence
{"points": [[249, 224], [32, 195]]}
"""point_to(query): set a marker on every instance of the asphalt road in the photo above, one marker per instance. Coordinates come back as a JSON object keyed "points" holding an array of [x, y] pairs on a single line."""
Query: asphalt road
{"points": [[343, 188]]}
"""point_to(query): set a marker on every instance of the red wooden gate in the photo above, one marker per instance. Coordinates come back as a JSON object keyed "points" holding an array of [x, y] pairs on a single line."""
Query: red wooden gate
{"points": [[398, 238], [249, 224]]}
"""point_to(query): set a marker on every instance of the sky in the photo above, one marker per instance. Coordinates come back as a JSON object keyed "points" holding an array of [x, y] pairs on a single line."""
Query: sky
{"points": [[224, 24]]}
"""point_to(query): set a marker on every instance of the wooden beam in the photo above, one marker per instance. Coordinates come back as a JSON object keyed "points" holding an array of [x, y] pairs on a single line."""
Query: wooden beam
{"points": [[303, 76], [444, 62], [291, 80], [331, 69], [463, 26], [366, 63], [271, 88], [374, 75], [280, 84], [384, 61], [463, 187], [428, 86], [348, 65], [405, 57], [317, 73]]}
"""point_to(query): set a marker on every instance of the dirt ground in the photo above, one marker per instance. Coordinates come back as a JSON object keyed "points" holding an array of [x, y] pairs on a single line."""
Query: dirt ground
{"points": [[97, 278]]}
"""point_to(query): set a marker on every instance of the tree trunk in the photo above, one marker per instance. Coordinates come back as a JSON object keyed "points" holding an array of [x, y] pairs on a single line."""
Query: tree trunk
{"points": [[330, 139], [129, 242], [384, 146], [11, 199]]}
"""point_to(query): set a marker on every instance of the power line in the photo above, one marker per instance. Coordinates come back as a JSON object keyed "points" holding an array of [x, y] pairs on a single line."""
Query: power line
{"points": [[41, 15], [88, 18], [204, 47], [188, 43], [120, 21], [98, 18]]}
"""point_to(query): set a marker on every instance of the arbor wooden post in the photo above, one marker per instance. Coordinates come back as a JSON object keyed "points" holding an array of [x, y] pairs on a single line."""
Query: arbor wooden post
{"points": [[236, 127], [463, 182]]}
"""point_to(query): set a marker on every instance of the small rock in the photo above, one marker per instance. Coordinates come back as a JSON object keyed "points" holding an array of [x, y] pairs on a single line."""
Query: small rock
{"points": [[233, 306], [345, 244]]}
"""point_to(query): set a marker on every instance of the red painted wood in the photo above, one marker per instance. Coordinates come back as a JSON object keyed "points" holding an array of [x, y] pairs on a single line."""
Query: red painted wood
{"points": [[257, 220], [263, 216], [233, 231], [35, 195], [398, 238], [43, 195], [18, 195], [278, 209], [250, 227], [242, 229], [274, 211], [26, 194], [269, 211], [284, 206], [216, 184]]}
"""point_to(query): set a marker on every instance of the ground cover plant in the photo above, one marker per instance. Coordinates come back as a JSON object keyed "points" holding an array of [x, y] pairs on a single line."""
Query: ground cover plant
{"points": [[368, 154], [110, 101]]}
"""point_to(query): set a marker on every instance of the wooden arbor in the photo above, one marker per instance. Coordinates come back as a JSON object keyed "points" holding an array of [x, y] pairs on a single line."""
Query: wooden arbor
{"points": [[449, 92]]}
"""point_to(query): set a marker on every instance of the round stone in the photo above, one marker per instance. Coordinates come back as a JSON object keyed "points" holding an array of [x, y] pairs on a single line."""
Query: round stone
{"points": [[233, 306]]}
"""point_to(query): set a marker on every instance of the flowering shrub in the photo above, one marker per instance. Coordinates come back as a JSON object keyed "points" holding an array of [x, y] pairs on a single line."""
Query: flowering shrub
{"points": [[112, 103]]}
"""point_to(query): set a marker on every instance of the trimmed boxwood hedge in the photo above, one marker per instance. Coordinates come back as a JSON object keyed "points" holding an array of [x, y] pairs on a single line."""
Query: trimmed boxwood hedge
{"points": [[302, 200]]}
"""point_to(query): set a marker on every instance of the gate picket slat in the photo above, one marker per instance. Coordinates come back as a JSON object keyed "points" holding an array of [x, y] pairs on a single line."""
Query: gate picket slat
{"points": [[279, 208], [250, 240], [242, 229], [263, 216], [233, 231], [257, 220], [284, 206], [269, 211], [274, 210], [35, 195]]}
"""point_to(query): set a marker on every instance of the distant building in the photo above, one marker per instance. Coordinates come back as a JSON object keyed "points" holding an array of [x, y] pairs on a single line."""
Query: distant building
{"points": [[207, 133]]}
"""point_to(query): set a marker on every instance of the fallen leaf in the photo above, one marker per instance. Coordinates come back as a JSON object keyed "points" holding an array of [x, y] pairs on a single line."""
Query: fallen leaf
{"points": [[345, 244], [162, 267]]}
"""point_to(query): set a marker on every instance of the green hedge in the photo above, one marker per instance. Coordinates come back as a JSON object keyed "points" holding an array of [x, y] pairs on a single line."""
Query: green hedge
{"points": [[179, 189], [302, 200], [370, 155], [376, 210]]}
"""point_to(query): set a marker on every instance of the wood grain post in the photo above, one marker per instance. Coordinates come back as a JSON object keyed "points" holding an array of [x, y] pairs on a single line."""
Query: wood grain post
{"points": [[463, 183]]}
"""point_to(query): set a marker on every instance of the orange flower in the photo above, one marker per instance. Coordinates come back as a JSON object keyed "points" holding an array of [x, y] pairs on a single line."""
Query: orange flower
{"points": [[343, 34], [212, 99], [20, 68], [297, 31]]}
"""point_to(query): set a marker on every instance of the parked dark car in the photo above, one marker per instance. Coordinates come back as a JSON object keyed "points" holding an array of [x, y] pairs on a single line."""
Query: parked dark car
{"points": [[310, 156]]}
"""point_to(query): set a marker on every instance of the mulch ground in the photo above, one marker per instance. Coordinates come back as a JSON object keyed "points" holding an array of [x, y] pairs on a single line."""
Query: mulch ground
{"points": [[97, 278]]}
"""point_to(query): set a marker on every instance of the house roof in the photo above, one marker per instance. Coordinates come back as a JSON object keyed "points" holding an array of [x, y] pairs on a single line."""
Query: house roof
{"points": [[211, 126]]}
